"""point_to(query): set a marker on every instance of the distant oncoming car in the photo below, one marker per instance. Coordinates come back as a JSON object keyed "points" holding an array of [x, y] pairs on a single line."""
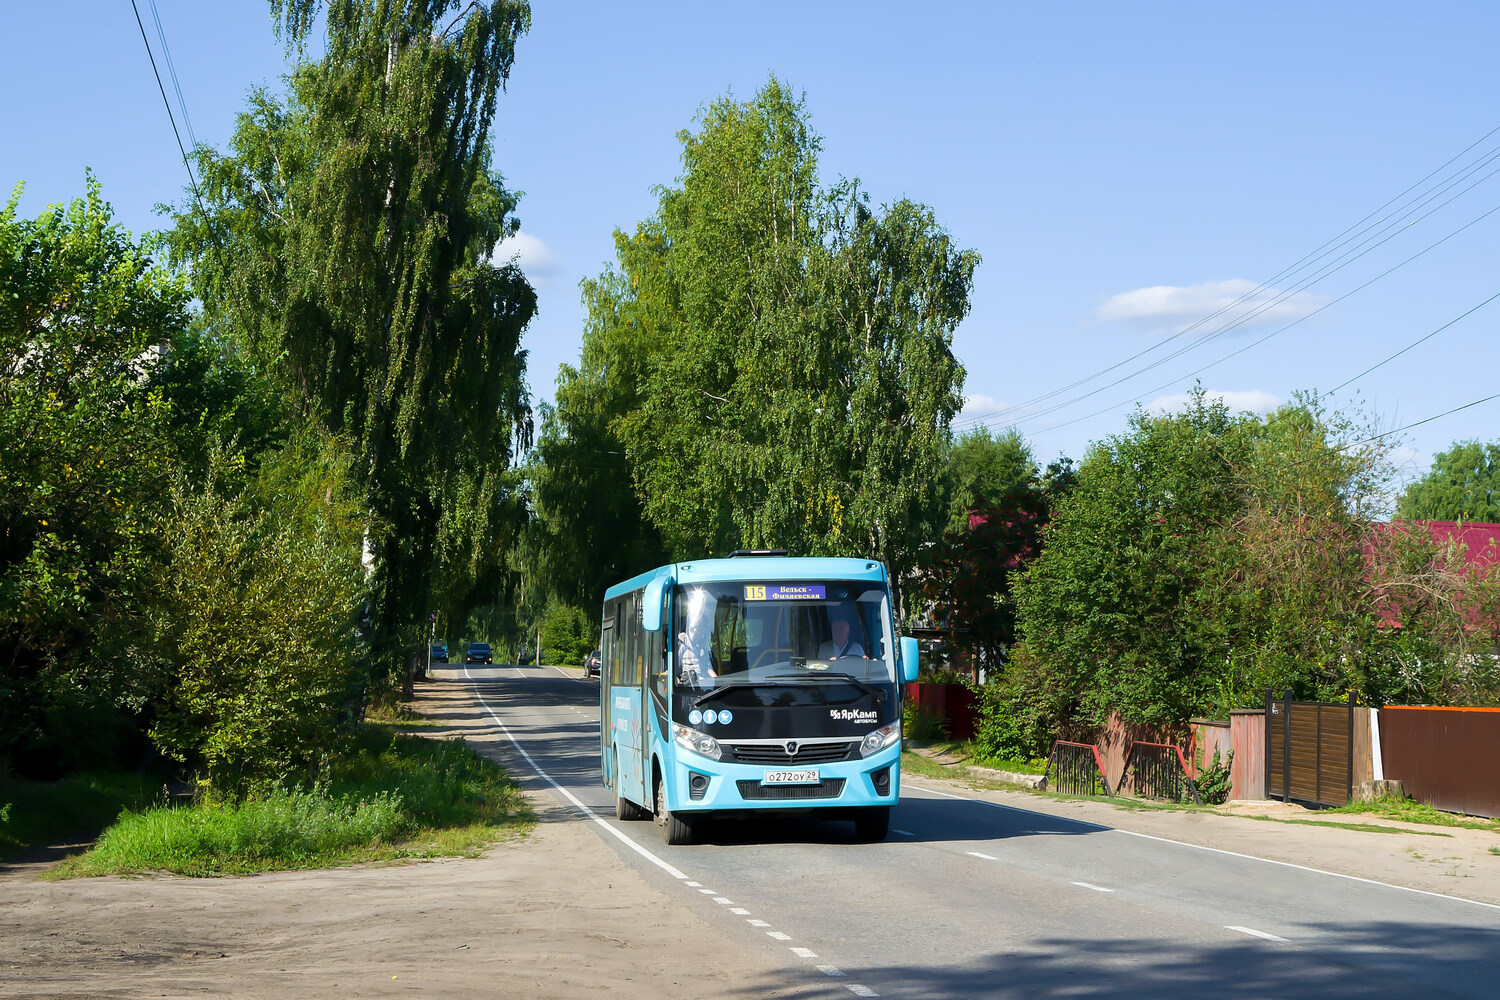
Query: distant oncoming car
{"points": [[479, 652], [591, 664], [440, 652]]}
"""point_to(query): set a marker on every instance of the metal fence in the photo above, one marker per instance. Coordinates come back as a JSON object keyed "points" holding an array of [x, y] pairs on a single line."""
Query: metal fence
{"points": [[1309, 750], [1159, 771], [1444, 756], [1076, 769]]}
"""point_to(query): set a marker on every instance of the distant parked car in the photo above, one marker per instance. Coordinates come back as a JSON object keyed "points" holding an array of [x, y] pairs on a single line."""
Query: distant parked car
{"points": [[479, 652], [591, 664], [440, 652]]}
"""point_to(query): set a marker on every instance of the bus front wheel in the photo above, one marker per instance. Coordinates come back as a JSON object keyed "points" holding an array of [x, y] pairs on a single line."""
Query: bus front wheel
{"points": [[674, 829], [872, 824]]}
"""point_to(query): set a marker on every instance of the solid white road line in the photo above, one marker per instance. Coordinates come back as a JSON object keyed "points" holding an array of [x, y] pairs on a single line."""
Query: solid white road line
{"points": [[1214, 850], [637, 848], [857, 990], [1255, 933], [1090, 885]]}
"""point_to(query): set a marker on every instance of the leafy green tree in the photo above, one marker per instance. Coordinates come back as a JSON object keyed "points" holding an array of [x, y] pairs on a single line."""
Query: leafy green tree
{"points": [[1463, 485], [966, 579], [347, 243], [983, 467], [769, 359], [1202, 557], [84, 313], [568, 633]]}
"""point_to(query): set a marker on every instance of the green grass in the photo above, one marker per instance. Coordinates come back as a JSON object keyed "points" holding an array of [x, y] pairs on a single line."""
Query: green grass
{"points": [[1412, 811], [1495, 850], [1361, 827], [396, 797], [912, 763], [36, 814]]}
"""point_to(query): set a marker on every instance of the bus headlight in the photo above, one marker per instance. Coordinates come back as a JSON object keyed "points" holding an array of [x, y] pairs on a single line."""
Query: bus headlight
{"points": [[701, 743], [880, 739]]}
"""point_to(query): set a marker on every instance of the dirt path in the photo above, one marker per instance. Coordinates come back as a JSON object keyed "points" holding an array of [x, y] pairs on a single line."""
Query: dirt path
{"points": [[553, 915]]}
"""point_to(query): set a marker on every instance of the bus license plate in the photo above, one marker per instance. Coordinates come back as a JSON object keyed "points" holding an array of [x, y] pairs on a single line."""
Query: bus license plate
{"points": [[790, 778]]}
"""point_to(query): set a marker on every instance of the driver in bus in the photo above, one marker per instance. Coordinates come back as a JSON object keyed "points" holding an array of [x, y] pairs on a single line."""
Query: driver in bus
{"points": [[842, 641], [694, 661]]}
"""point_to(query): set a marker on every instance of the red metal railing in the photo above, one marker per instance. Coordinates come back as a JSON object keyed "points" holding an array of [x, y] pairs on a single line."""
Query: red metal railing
{"points": [[1074, 773], [1160, 772]]}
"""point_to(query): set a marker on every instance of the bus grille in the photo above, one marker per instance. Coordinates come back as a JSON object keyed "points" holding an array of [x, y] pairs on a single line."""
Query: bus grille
{"points": [[828, 788], [775, 753]]}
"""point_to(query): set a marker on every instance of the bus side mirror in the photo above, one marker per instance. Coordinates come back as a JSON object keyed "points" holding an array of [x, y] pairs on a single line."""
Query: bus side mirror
{"points": [[653, 602], [908, 659]]}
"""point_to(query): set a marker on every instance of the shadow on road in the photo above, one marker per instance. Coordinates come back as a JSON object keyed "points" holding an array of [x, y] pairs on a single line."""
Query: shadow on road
{"points": [[1380, 960]]}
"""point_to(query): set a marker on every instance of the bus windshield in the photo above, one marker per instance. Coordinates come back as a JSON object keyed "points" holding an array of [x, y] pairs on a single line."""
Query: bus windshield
{"points": [[782, 633]]}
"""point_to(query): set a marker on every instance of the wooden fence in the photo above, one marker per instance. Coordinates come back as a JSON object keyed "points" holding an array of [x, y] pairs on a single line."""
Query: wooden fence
{"points": [[1309, 751]]}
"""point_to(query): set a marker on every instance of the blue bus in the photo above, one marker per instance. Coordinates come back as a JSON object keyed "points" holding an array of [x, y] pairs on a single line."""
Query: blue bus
{"points": [[756, 682]]}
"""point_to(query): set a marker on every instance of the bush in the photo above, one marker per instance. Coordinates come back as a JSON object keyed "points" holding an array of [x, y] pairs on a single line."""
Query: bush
{"points": [[1016, 711], [257, 616], [1214, 783], [921, 725]]}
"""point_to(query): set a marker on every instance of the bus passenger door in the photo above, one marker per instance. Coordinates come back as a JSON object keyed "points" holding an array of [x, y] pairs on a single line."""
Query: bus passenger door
{"points": [[626, 707], [608, 657]]}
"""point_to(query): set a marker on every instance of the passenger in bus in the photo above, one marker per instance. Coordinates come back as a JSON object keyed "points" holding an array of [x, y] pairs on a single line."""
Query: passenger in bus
{"points": [[842, 641]]}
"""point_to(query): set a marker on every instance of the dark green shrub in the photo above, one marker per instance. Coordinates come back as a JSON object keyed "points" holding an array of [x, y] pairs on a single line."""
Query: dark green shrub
{"points": [[1214, 783]]}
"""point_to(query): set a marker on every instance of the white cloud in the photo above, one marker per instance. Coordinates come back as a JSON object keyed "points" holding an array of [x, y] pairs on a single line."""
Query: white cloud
{"points": [[1253, 400], [978, 407], [530, 254], [1242, 302]]}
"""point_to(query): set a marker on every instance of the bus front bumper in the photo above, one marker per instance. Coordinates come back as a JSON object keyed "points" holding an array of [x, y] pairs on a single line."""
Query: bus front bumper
{"points": [[702, 784]]}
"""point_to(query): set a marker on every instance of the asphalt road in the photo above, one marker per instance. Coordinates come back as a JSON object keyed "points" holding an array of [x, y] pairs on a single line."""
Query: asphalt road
{"points": [[968, 898]]}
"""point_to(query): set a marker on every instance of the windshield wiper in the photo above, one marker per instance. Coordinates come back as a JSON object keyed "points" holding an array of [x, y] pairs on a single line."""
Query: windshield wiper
{"points": [[724, 688], [866, 688]]}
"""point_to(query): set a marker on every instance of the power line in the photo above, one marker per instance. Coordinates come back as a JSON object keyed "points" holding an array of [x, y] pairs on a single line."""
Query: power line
{"points": [[1253, 344], [172, 72], [197, 196], [1331, 246], [1415, 343], [1306, 283]]}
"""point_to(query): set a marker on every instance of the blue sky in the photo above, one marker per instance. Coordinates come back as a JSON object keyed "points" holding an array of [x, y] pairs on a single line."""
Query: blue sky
{"points": [[1124, 169]]}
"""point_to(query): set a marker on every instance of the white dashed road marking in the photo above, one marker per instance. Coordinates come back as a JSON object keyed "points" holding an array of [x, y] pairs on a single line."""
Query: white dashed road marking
{"points": [[741, 911], [982, 857], [1218, 850], [827, 970], [1255, 933], [1090, 885]]}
